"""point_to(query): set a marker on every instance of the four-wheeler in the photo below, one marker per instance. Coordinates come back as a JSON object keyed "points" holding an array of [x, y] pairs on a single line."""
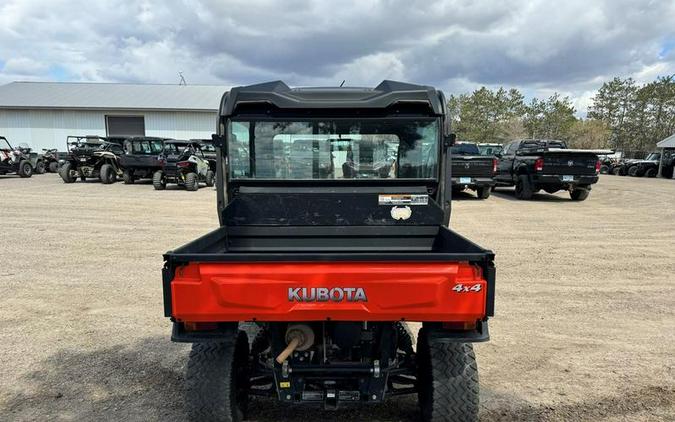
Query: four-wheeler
{"points": [[184, 164], [539, 164], [14, 160], [91, 157], [51, 159], [323, 270], [36, 160], [142, 158], [472, 170]]}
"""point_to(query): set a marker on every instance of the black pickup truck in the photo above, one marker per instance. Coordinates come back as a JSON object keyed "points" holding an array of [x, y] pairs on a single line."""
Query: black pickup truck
{"points": [[536, 164], [472, 170]]}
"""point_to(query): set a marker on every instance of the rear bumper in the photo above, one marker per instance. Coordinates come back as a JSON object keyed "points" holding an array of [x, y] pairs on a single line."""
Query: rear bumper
{"points": [[556, 179], [475, 182], [292, 291]]}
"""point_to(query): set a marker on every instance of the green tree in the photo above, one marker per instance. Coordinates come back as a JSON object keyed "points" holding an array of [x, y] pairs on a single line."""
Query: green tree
{"points": [[552, 118]]}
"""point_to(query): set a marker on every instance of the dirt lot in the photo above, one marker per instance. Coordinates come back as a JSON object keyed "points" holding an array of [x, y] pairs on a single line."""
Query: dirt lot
{"points": [[585, 325]]}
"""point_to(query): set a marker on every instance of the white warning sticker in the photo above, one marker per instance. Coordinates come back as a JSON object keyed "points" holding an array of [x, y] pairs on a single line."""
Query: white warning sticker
{"points": [[403, 199]]}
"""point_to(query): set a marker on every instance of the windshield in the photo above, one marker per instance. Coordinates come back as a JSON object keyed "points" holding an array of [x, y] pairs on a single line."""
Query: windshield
{"points": [[146, 146], [4, 145], [654, 156], [464, 149], [490, 149], [334, 149]]}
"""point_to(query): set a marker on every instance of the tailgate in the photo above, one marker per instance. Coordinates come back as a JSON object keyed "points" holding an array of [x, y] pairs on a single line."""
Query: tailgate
{"points": [[472, 166], [570, 163], [341, 291]]}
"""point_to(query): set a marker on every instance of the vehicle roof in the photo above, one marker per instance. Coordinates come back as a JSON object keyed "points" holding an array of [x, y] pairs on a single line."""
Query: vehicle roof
{"points": [[147, 138], [280, 95]]}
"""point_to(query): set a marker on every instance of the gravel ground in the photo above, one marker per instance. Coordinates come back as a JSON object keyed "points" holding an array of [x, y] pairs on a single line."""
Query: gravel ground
{"points": [[585, 325]]}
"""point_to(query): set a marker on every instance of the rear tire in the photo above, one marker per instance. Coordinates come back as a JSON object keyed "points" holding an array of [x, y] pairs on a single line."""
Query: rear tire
{"points": [[210, 178], [107, 174], [25, 169], [128, 177], [579, 194], [635, 171], [158, 180], [53, 167], [447, 381], [483, 193], [191, 182], [523, 187], [217, 380], [66, 173], [604, 169], [651, 172], [40, 168]]}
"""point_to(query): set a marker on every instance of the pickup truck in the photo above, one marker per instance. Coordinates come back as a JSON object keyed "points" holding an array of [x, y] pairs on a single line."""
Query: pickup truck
{"points": [[321, 266], [472, 170], [532, 165]]}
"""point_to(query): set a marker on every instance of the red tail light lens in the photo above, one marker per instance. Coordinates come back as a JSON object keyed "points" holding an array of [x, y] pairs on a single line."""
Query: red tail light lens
{"points": [[494, 166], [183, 164], [598, 164], [539, 164]]}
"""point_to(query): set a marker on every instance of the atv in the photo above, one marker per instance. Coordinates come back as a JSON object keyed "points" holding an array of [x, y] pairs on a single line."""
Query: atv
{"points": [[142, 158], [302, 294], [14, 160], [51, 160], [184, 163], [36, 160], [91, 157]]}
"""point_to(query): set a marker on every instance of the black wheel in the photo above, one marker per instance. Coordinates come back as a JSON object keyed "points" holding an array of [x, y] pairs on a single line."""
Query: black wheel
{"points": [[210, 178], [447, 381], [217, 380], [483, 193], [191, 182], [651, 172], [40, 167], [53, 167], [580, 193], [604, 169], [158, 180], [67, 174], [128, 177], [523, 187], [25, 169], [107, 174], [635, 171]]}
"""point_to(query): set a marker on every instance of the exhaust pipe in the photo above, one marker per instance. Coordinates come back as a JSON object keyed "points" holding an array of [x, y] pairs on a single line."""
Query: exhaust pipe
{"points": [[298, 337]]}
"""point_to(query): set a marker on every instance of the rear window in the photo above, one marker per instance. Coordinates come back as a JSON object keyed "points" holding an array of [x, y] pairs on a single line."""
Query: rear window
{"points": [[464, 149]]}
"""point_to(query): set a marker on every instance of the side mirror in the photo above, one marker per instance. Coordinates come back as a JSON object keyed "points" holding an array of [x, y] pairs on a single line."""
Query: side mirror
{"points": [[218, 140], [449, 139]]}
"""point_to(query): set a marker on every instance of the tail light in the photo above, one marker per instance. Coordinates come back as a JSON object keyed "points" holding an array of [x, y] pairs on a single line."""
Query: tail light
{"points": [[598, 164], [494, 166], [183, 164], [539, 164]]}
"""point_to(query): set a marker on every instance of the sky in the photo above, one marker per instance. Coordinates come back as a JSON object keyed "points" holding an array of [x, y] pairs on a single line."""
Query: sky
{"points": [[539, 47]]}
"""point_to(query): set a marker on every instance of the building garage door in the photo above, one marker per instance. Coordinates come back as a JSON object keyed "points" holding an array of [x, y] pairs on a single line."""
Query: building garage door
{"points": [[125, 125]]}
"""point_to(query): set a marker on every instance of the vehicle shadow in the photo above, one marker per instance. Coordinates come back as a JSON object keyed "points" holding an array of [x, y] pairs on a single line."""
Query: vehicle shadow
{"points": [[145, 381], [510, 194], [465, 196]]}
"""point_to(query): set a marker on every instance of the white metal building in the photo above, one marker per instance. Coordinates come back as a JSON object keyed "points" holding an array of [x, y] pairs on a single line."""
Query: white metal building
{"points": [[42, 114]]}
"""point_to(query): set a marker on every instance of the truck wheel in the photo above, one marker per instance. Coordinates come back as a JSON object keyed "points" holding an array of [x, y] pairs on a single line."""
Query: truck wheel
{"points": [[66, 173], [128, 177], [651, 172], [217, 380], [107, 174], [40, 168], [447, 380], [191, 182], [158, 180], [210, 178], [579, 194], [53, 167], [25, 169], [483, 193], [523, 187], [634, 172]]}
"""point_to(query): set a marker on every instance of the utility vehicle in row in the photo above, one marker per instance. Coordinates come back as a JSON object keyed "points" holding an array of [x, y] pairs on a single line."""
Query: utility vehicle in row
{"points": [[472, 170], [14, 160], [532, 165], [91, 157], [184, 164], [328, 264], [142, 158]]}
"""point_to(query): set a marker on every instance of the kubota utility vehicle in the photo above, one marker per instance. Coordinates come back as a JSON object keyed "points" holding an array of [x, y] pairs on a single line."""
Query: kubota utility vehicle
{"points": [[142, 158], [329, 266]]}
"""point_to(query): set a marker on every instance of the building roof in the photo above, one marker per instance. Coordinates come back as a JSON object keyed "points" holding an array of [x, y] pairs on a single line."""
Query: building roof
{"points": [[669, 142], [110, 96]]}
